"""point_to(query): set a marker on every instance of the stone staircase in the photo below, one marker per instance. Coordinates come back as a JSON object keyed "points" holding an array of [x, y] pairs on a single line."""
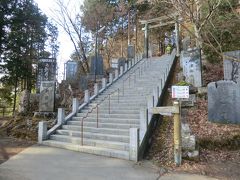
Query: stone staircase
{"points": [[106, 130]]}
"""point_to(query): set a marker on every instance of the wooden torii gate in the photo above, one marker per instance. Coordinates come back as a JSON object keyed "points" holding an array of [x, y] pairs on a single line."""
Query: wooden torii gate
{"points": [[159, 22]]}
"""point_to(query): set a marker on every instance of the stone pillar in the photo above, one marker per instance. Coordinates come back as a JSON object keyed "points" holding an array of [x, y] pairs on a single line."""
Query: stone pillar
{"points": [[86, 96], [149, 106], [75, 105], [155, 95], [61, 116], [121, 70], [110, 78], [42, 131], [96, 90], [143, 123], [116, 74], [125, 67], [104, 84], [134, 144]]}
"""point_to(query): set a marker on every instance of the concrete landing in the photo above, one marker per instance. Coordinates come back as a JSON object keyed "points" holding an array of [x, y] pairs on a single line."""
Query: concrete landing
{"points": [[48, 163]]}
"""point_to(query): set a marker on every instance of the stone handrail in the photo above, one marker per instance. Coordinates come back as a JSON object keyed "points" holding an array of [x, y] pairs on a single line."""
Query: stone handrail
{"points": [[43, 134], [139, 136]]}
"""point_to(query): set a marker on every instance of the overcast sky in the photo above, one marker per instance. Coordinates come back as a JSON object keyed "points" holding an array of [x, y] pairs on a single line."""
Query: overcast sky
{"points": [[66, 47]]}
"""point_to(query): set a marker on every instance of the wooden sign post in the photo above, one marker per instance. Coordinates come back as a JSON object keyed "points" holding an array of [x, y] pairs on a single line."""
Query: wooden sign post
{"points": [[175, 111]]}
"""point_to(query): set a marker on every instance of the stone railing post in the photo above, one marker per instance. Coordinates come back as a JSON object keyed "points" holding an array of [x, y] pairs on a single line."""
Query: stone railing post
{"points": [[75, 105], [61, 116], [134, 144], [96, 89], [86, 96], [155, 95], [121, 70], [116, 74], [104, 84], [110, 78], [149, 106], [42, 131], [143, 123], [125, 67]]}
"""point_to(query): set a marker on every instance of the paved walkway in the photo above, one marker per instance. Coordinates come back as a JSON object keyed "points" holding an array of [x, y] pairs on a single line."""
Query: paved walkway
{"points": [[48, 163]]}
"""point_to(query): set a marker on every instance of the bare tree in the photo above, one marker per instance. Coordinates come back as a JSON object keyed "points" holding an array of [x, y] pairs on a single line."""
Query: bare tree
{"points": [[70, 21], [191, 11]]}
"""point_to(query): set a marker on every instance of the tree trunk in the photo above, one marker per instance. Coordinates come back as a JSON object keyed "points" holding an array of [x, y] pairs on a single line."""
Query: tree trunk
{"points": [[198, 37], [15, 95]]}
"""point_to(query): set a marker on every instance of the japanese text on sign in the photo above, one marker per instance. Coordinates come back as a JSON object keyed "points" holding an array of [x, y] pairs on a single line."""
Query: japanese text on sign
{"points": [[180, 92]]}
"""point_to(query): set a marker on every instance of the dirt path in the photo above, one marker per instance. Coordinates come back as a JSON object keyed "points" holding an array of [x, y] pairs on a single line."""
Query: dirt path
{"points": [[11, 146]]}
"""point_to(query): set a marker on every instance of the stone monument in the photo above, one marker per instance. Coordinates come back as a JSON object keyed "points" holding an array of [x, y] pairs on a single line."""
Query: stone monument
{"points": [[71, 70], [131, 51], [99, 65], [224, 102], [191, 63], [232, 66], [47, 96]]}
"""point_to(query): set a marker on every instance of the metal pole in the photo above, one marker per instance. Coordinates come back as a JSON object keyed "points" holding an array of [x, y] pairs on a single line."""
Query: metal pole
{"points": [[95, 60], [146, 40], [177, 36], [177, 135]]}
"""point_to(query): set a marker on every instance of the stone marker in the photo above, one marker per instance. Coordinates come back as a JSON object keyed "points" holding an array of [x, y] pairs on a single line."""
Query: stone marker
{"points": [[47, 96], [186, 43], [24, 101], [189, 102], [99, 65], [83, 83], [192, 67], [224, 102], [116, 63], [232, 68], [71, 70], [130, 51]]}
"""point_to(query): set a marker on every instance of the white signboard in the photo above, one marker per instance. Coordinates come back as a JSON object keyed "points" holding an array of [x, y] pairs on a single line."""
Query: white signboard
{"points": [[180, 92]]}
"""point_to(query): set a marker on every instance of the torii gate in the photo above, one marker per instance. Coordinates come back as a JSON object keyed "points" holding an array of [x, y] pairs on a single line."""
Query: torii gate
{"points": [[159, 22]]}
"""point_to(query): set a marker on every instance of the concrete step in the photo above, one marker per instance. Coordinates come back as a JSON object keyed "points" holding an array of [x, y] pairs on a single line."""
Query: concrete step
{"points": [[116, 101], [90, 135], [112, 111], [89, 149], [122, 108], [108, 120], [104, 125], [97, 130], [107, 115], [129, 104]]}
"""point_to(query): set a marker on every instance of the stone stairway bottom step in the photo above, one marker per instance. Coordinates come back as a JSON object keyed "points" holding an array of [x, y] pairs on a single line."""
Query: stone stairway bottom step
{"points": [[89, 149], [96, 130], [91, 135]]}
